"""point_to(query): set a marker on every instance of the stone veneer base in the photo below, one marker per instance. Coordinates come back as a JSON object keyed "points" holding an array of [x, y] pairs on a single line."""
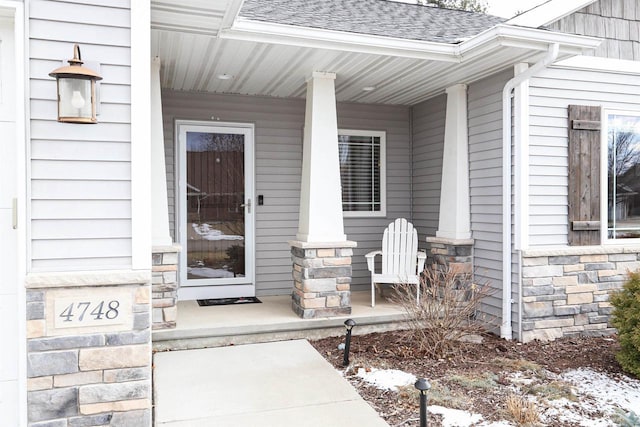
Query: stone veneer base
{"points": [[164, 288], [322, 278], [88, 375], [565, 291], [456, 254]]}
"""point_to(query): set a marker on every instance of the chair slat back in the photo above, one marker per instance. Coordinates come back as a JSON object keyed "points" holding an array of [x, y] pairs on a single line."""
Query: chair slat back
{"points": [[399, 248]]}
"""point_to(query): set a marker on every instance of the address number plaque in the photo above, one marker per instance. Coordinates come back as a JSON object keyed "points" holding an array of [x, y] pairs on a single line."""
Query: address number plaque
{"points": [[93, 310]]}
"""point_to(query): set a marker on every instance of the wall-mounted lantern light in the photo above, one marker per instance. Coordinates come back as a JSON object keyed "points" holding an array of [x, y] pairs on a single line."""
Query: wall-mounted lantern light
{"points": [[76, 91]]}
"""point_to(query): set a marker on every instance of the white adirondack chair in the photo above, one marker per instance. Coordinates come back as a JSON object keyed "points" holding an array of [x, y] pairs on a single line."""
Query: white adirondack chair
{"points": [[402, 263]]}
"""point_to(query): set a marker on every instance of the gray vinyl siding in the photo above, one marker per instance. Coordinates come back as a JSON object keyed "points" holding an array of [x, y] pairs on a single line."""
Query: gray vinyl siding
{"points": [[617, 22], [551, 92], [367, 232], [80, 175], [278, 153], [428, 120], [485, 181]]}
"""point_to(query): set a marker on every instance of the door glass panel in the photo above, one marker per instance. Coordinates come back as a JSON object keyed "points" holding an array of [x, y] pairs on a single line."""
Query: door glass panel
{"points": [[215, 205]]}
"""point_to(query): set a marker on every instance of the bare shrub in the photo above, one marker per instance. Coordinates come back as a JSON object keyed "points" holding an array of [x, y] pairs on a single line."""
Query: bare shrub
{"points": [[447, 313], [522, 411]]}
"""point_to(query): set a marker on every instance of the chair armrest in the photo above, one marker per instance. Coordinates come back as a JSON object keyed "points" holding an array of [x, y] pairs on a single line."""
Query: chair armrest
{"points": [[421, 259], [370, 259]]}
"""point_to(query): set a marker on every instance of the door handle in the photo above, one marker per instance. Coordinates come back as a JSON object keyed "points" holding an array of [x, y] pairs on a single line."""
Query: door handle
{"points": [[248, 205], [14, 213]]}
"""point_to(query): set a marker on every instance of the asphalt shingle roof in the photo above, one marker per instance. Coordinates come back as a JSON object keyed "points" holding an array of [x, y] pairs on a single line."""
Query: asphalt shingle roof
{"points": [[374, 17]]}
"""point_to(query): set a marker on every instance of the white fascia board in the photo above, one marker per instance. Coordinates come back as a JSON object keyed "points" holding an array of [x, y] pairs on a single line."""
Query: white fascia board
{"points": [[481, 44], [548, 12], [594, 63], [526, 38], [268, 32]]}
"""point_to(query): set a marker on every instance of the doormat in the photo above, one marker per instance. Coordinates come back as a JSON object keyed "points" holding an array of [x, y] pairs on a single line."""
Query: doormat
{"points": [[228, 301]]}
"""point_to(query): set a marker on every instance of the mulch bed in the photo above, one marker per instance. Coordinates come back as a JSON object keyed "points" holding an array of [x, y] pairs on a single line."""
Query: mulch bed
{"points": [[493, 357]]}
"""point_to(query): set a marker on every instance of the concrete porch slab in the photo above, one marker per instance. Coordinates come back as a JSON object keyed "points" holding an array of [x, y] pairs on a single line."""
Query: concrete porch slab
{"points": [[273, 320], [270, 384]]}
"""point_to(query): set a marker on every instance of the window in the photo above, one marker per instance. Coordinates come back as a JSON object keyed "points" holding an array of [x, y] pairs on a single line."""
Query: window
{"points": [[362, 172], [622, 175]]}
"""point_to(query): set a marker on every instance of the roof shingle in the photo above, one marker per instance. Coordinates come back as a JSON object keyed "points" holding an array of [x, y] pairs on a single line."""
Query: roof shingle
{"points": [[373, 17]]}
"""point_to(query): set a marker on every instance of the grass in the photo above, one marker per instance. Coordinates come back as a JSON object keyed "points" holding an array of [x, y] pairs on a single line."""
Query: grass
{"points": [[553, 390], [520, 365], [522, 411], [486, 381], [441, 395]]}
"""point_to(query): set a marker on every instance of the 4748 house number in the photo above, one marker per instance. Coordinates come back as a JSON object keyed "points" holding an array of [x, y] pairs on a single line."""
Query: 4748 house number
{"points": [[92, 311], [104, 309]]}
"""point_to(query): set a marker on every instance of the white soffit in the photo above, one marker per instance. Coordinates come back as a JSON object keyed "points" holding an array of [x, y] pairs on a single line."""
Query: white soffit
{"points": [[276, 60], [548, 12]]}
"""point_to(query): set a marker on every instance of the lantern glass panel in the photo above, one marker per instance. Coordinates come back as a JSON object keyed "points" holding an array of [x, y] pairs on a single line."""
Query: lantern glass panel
{"points": [[75, 98]]}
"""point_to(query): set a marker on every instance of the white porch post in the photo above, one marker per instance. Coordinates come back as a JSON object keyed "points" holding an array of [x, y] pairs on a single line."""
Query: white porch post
{"points": [[452, 247], [164, 252], [159, 203], [320, 194], [455, 220], [321, 254]]}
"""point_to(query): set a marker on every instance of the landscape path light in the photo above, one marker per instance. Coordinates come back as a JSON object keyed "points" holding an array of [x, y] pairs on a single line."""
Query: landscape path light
{"points": [[76, 90], [423, 385], [349, 324]]}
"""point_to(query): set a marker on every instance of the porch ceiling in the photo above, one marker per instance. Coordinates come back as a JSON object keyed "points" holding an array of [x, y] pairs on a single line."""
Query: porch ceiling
{"points": [[196, 42]]}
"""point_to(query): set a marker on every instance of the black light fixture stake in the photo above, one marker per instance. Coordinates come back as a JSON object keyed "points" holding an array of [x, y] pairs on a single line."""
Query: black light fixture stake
{"points": [[423, 385], [349, 324]]}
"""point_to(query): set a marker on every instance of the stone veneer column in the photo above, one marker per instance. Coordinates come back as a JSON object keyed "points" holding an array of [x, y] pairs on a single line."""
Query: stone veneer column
{"points": [[164, 286], [321, 253], [92, 368], [451, 253], [322, 279]]}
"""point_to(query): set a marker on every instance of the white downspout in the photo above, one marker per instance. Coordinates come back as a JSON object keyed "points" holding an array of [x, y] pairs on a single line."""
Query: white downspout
{"points": [[506, 331]]}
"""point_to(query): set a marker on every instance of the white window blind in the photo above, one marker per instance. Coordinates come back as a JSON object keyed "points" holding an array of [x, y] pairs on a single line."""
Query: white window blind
{"points": [[362, 172]]}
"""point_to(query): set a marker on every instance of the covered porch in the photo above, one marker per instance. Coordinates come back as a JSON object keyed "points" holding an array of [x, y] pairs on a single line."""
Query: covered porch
{"points": [[292, 89]]}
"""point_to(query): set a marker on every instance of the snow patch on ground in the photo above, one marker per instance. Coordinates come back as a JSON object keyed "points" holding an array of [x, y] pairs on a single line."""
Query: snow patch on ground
{"points": [[608, 393], [386, 379], [599, 398], [455, 417], [205, 231]]}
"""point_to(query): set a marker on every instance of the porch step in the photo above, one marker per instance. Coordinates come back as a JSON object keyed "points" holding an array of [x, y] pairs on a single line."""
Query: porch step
{"points": [[273, 320]]}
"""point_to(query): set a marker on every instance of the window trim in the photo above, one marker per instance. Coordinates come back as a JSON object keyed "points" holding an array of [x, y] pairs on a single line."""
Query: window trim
{"points": [[604, 176], [383, 172]]}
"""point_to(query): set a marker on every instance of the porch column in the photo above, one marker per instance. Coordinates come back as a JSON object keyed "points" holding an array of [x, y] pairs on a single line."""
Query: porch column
{"points": [[159, 201], [452, 247], [455, 220], [320, 193], [164, 252], [321, 254]]}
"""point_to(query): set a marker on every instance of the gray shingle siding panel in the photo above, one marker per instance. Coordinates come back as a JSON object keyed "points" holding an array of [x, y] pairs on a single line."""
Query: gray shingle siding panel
{"points": [[373, 17], [616, 21]]}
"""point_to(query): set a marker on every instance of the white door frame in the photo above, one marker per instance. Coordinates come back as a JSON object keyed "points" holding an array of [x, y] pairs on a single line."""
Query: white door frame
{"points": [[13, 375], [216, 288]]}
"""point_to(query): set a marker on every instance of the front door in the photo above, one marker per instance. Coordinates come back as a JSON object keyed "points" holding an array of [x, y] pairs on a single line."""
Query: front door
{"points": [[216, 212]]}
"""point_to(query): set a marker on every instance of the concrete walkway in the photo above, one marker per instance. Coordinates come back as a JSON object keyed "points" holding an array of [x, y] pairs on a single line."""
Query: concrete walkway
{"points": [[277, 384]]}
